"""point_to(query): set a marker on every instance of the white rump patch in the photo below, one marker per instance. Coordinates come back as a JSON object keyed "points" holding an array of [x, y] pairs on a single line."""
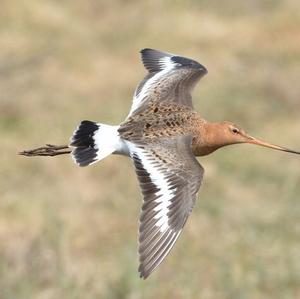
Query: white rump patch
{"points": [[108, 141]]}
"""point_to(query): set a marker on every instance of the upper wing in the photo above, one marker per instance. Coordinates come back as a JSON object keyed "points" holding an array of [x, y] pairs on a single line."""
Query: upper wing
{"points": [[170, 78], [170, 177]]}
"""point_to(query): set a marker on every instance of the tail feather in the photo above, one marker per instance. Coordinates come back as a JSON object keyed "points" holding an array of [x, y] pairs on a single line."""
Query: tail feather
{"points": [[92, 142], [84, 156], [83, 135]]}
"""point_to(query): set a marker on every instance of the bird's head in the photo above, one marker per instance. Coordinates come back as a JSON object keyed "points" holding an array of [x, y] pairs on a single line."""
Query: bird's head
{"points": [[217, 135]]}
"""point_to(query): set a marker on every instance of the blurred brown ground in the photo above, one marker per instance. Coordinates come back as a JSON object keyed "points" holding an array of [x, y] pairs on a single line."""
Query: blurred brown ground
{"points": [[67, 232]]}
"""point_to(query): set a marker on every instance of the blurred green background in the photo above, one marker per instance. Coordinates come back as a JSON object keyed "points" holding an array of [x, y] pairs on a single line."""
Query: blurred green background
{"points": [[69, 232]]}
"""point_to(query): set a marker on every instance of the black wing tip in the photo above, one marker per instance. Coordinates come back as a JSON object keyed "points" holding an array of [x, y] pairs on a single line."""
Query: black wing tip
{"points": [[187, 62], [145, 50], [154, 53], [143, 273], [152, 60]]}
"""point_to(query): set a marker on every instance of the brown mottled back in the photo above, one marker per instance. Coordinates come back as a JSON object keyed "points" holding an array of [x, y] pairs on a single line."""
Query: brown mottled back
{"points": [[159, 120]]}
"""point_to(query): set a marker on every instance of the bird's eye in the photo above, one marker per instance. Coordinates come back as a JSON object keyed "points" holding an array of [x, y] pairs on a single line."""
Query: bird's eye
{"points": [[235, 130]]}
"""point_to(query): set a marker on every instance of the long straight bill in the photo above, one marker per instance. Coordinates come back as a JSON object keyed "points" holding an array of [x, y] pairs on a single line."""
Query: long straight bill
{"points": [[253, 140]]}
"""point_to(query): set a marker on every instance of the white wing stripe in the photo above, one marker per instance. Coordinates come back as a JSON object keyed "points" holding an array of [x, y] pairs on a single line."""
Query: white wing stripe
{"points": [[166, 62], [168, 65], [164, 195]]}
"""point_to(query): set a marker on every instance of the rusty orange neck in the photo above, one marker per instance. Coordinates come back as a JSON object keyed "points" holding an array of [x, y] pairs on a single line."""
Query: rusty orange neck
{"points": [[210, 137]]}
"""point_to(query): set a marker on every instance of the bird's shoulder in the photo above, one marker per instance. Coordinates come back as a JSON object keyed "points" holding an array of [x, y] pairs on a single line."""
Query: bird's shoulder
{"points": [[159, 120]]}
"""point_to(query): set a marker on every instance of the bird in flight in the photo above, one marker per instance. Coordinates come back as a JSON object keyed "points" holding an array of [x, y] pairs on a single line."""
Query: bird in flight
{"points": [[162, 134]]}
